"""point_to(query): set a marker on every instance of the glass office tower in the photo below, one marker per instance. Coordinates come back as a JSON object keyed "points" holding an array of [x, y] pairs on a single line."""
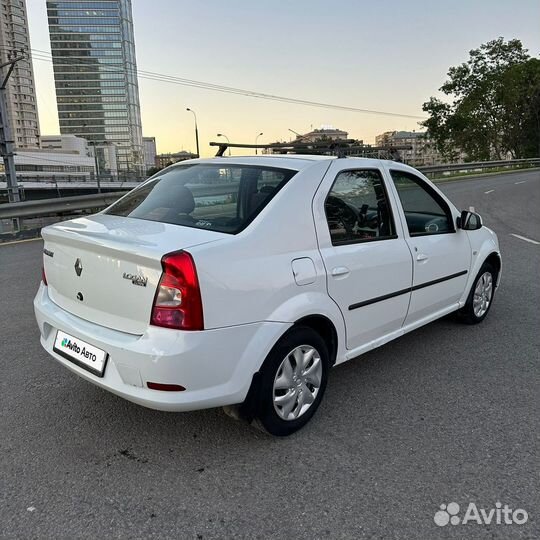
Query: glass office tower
{"points": [[94, 63]]}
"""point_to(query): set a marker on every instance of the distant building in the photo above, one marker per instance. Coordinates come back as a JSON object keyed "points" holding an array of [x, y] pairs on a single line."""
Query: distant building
{"points": [[150, 152], [21, 93], [95, 73], [66, 143], [60, 158], [422, 149], [323, 134], [164, 160], [106, 157]]}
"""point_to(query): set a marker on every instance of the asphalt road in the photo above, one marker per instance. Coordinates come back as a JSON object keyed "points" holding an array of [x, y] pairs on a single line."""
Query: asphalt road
{"points": [[449, 413]]}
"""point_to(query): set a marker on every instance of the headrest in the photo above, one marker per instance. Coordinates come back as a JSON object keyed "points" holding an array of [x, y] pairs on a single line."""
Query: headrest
{"points": [[183, 199]]}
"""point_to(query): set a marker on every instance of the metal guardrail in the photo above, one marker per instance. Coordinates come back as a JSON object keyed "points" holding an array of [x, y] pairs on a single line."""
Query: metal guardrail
{"points": [[77, 178], [44, 207], [451, 167], [63, 205]]}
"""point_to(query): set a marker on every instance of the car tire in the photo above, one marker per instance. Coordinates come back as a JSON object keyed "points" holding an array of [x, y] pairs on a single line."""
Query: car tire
{"points": [[292, 382], [481, 296]]}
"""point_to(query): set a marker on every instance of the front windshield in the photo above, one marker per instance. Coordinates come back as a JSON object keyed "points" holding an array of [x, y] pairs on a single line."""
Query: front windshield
{"points": [[223, 198]]}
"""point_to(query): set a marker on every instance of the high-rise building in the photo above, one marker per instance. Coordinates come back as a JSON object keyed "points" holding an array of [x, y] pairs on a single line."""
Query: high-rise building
{"points": [[21, 94], [150, 152], [95, 72]]}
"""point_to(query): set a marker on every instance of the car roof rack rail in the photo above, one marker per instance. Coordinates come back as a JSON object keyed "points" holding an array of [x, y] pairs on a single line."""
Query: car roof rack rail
{"points": [[340, 149]]}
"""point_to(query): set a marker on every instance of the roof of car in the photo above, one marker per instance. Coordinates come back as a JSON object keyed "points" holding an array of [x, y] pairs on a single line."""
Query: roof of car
{"points": [[295, 162], [285, 161]]}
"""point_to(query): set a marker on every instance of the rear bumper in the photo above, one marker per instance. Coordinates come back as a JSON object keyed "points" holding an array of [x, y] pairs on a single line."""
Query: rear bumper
{"points": [[215, 366]]}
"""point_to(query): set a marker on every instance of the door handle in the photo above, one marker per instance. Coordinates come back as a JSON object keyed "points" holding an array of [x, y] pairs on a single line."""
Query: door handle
{"points": [[340, 271], [421, 257]]}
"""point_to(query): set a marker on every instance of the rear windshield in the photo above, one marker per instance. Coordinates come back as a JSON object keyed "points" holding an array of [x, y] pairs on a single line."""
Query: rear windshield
{"points": [[223, 198]]}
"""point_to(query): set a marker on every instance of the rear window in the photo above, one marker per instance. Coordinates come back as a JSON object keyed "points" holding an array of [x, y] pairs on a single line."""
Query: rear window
{"points": [[223, 198]]}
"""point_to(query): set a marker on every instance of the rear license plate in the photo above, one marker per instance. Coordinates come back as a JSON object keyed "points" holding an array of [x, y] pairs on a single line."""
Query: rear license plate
{"points": [[81, 353]]}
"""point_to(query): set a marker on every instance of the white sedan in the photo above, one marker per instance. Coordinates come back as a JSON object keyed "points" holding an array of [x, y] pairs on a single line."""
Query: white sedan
{"points": [[239, 282]]}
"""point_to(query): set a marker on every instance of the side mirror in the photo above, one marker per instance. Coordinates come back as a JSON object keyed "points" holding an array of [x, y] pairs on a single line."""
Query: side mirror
{"points": [[469, 221]]}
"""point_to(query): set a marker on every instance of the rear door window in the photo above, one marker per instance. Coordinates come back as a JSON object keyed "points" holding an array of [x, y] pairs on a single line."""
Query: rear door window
{"points": [[357, 208], [223, 198]]}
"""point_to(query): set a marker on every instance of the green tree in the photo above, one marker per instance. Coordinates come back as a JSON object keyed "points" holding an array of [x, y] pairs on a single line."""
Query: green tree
{"points": [[492, 106], [521, 102]]}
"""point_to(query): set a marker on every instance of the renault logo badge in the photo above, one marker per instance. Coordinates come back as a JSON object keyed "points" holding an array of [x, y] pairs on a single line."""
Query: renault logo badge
{"points": [[78, 267]]}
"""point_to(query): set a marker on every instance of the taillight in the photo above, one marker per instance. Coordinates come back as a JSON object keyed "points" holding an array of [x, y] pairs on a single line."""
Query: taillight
{"points": [[178, 303], [43, 276]]}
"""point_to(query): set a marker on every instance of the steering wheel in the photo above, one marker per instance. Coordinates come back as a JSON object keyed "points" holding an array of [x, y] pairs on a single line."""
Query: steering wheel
{"points": [[339, 210], [434, 225]]}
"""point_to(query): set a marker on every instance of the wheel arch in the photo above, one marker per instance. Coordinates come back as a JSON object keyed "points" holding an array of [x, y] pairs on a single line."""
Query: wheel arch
{"points": [[494, 258], [485, 248], [322, 325], [325, 328]]}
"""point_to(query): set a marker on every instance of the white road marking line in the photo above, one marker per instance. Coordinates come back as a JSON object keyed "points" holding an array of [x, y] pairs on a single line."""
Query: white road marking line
{"points": [[18, 241], [490, 191], [522, 182], [526, 239]]}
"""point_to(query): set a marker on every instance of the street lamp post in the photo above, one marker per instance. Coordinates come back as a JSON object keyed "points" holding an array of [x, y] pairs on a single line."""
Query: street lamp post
{"points": [[295, 132], [196, 131], [256, 138], [225, 137]]}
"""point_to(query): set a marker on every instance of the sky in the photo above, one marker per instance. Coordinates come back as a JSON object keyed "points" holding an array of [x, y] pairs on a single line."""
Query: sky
{"points": [[390, 55]]}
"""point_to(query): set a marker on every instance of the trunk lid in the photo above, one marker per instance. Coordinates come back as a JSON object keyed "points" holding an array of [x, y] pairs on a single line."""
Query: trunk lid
{"points": [[105, 269]]}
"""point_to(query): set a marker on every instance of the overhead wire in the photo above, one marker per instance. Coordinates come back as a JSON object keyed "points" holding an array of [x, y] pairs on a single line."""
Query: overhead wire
{"points": [[172, 79], [47, 56]]}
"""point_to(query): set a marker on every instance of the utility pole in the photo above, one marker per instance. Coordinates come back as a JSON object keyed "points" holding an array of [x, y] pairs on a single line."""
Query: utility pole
{"points": [[7, 144]]}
